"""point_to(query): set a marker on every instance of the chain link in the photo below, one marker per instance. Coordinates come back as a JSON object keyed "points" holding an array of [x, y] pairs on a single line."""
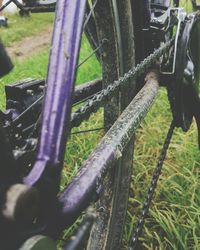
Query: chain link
{"points": [[98, 100], [157, 171], [155, 177]]}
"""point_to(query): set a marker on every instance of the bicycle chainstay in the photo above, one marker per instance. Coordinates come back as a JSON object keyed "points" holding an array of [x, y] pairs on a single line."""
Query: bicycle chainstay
{"points": [[98, 100], [152, 188], [102, 97]]}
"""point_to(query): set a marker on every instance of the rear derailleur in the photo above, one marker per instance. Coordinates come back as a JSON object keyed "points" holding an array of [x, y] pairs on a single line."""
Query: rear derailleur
{"points": [[180, 66]]}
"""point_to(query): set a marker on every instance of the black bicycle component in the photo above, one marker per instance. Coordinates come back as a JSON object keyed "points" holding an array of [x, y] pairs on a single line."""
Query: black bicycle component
{"points": [[23, 93], [24, 101], [187, 74], [80, 235], [5, 62], [161, 21]]}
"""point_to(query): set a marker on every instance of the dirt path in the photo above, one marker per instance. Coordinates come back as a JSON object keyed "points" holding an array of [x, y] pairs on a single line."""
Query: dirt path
{"points": [[30, 45]]}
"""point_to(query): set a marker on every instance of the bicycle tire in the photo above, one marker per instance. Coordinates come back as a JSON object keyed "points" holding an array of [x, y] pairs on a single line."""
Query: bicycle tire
{"points": [[107, 232]]}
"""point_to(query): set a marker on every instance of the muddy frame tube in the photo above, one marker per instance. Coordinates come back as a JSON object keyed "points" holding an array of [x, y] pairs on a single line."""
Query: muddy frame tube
{"points": [[86, 187]]}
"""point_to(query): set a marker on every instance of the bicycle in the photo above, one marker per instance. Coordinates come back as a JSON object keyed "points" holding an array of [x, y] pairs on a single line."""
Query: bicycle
{"points": [[49, 5], [116, 61]]}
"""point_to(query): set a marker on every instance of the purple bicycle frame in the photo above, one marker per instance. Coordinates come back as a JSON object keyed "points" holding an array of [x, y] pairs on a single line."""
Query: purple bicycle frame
{"points": [[60, 87]]}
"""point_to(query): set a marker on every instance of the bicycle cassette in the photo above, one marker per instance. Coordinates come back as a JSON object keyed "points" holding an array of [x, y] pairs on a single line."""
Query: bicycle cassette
{"points": [[187, 74]]}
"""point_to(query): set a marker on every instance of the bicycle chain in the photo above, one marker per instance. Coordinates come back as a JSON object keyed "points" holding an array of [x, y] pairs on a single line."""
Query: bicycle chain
{"points": [[98, 100], [158, 169], [151, 190]]}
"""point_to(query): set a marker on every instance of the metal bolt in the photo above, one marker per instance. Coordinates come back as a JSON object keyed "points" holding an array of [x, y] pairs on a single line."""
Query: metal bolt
{"points": [[41, 87], [21, 203], [29, 92]]}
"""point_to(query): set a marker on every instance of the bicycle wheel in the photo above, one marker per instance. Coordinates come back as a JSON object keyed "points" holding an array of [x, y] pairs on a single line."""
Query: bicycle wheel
{"points": [[118, 57]]}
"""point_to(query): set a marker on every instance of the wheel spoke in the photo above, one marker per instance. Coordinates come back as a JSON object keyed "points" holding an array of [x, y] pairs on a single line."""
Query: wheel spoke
{"points": [[94, 52], [90, 13]]}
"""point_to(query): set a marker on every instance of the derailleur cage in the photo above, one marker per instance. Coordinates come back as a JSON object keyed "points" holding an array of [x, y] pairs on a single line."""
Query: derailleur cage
{"points": [[186, 101]]}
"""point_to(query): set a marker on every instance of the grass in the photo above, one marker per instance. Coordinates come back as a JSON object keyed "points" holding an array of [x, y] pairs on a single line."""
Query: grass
{"points": [[20, 27], [174, 218], [174, 215]]}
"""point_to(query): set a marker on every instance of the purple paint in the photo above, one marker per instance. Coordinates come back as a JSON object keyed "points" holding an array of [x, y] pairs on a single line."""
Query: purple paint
{"points": [[60, 81]]}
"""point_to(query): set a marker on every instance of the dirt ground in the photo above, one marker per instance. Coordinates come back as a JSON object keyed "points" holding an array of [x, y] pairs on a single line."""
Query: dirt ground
{"points": [[30, 45]]}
